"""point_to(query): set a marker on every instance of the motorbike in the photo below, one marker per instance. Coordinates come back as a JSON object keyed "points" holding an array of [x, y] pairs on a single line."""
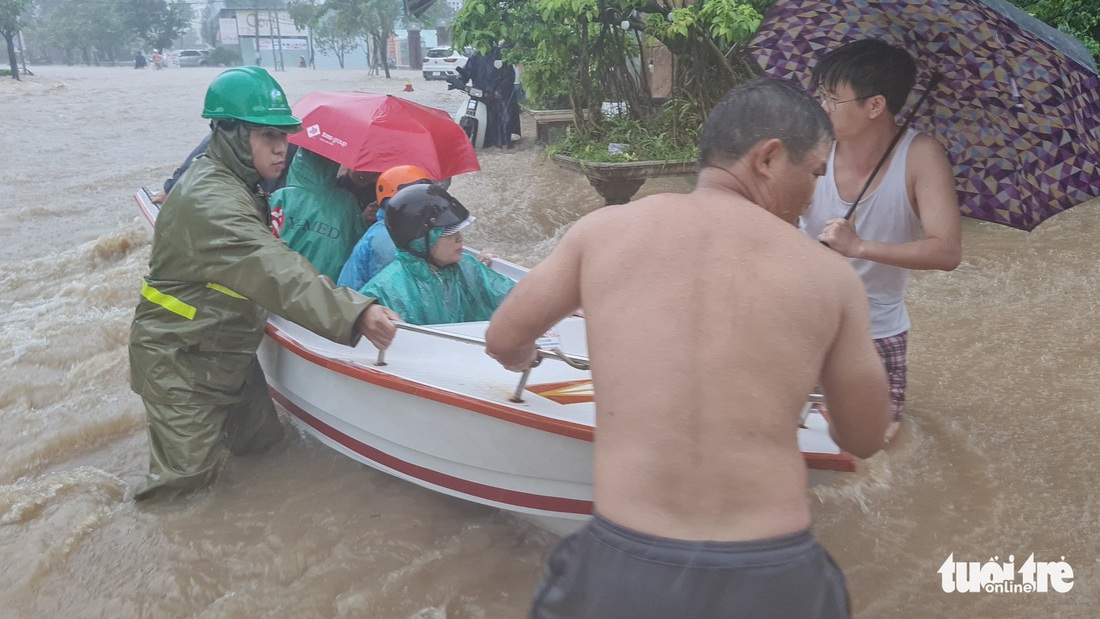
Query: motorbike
{"points": [[472, 115]]}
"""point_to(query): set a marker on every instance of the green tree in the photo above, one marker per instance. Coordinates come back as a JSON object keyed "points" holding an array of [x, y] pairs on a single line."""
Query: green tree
{"points": [[93, 30], [11, 12], [376, 19], [209, 21], [1080, 18], [348, 20], [590, 52], [332, 31], [335, 33], [156, 22]]}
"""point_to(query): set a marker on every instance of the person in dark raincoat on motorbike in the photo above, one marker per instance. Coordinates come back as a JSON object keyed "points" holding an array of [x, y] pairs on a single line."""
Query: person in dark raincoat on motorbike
{"points": [[215, 272], [496, 81]]}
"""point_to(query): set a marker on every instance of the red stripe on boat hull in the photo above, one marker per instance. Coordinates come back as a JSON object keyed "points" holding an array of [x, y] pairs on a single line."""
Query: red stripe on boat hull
{"points": [[463, 486]]}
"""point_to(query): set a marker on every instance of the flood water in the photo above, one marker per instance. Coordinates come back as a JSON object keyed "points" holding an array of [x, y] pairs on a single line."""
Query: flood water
{"points": [[999, 457]]}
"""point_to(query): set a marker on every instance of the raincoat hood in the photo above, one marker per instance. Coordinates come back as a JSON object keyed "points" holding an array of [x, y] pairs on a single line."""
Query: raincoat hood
{"points": [[321, 221], [231, 147], [417, 244], [311, 170]]}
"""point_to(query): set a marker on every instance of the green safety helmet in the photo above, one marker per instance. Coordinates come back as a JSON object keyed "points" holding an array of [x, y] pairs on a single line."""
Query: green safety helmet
{"points": [[252, 95]]}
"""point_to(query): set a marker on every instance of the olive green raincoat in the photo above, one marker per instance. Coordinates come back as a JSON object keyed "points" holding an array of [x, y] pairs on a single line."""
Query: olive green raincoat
{"points": [[215, 272]]}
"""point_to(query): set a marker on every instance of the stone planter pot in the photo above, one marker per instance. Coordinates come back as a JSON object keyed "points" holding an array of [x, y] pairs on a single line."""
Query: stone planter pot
{"points": [[618, 182]]}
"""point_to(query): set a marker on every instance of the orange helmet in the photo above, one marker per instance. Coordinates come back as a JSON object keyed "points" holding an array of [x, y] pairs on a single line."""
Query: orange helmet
{"points": [[397, 177]]}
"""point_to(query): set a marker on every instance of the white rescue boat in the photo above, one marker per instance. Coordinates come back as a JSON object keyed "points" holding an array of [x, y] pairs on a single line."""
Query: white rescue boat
{"points": [[435, 410]]}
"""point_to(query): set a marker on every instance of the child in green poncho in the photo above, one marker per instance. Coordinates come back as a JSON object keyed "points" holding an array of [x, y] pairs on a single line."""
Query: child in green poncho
{"points": [[432, 281]]}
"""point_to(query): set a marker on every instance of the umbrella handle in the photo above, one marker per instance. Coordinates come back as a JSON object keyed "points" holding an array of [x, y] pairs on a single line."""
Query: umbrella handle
{"points": [[932, 83]]}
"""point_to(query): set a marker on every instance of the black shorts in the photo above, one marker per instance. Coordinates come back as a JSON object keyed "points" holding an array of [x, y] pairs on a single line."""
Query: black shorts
{"points": [[606, 571]]}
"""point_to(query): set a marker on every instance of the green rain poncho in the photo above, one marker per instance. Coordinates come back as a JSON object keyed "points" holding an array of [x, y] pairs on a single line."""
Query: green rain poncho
{"points": [[467, 291], [320, 220]]}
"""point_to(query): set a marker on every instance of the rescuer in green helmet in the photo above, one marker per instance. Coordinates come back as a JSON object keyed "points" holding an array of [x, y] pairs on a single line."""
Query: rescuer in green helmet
{"points": [[215, 272]]}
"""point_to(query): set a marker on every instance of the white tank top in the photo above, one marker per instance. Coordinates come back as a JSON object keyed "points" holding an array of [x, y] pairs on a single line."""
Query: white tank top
{"points": [[884, 215]]}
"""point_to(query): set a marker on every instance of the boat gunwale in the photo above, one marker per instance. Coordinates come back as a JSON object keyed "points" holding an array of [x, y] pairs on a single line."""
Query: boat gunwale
{"points": [[404, 385], [840, 462]]}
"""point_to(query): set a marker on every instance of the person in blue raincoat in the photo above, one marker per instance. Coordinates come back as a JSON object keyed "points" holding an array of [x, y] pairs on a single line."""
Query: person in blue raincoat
{"points": [[432, 281], [316, 217], [375, 250]]}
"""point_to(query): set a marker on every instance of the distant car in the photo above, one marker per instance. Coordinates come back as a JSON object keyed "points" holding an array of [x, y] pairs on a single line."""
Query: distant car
{"points": [[442, 62], [193, 58]]}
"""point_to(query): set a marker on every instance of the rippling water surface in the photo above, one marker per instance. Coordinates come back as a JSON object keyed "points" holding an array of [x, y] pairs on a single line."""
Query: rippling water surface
{"points": [[999, 458]]}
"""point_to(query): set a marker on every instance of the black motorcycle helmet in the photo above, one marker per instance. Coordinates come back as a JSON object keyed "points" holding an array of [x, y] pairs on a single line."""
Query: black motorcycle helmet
{"points": [[415, 210]]}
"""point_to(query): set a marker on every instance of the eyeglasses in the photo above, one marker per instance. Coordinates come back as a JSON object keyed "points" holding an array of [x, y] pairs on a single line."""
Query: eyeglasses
{"points": [[831, 103]]}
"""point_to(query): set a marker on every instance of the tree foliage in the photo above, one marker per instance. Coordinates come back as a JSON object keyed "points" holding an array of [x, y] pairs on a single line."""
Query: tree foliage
{"points": [[337, 34], [86, 32], [1080, 18], [585, 52], [11, 22], [339, 24], [105, 30], [155, 22], [580, 53]]}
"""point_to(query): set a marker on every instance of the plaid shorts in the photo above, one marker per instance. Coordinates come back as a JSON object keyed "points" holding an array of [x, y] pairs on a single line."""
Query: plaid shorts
{"points": [[892, 351]]}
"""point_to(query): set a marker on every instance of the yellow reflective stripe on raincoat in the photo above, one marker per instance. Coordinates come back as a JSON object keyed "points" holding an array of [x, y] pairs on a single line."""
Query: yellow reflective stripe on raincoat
{"points": [[224, 290], [167, 301]]}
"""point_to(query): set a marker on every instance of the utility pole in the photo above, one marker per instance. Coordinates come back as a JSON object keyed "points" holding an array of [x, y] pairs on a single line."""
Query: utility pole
{"points": [[280, 64], [309, 31], [23, 54], [256, 34], [271, 39]]}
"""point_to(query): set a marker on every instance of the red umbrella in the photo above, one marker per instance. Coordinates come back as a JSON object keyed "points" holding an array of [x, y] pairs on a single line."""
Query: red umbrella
{"points": [[372, 133]]}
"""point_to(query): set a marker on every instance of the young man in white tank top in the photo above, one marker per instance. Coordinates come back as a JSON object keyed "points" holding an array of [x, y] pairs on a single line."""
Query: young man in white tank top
{"points": [[909, 216]]}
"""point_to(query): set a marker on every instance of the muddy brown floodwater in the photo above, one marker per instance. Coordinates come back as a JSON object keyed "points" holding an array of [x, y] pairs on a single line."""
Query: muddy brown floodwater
{"points": [[999, 458]]}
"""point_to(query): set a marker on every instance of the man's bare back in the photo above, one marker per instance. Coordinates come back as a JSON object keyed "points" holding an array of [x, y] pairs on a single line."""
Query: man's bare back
{"points": [[705, 347], [710, 319]]}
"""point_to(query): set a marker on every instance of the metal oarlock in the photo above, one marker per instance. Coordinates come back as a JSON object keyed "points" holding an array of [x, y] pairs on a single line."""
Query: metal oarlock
{"points": [[573, 361], [517, 397]]}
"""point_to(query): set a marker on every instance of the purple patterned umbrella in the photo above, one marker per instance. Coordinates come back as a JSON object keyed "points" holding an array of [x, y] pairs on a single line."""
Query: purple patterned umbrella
{"points": [[1018, 110]]}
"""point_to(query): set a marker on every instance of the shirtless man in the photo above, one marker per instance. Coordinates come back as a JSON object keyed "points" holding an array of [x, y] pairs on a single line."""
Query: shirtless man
{"points": [[909, 216], [707, 330]]}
